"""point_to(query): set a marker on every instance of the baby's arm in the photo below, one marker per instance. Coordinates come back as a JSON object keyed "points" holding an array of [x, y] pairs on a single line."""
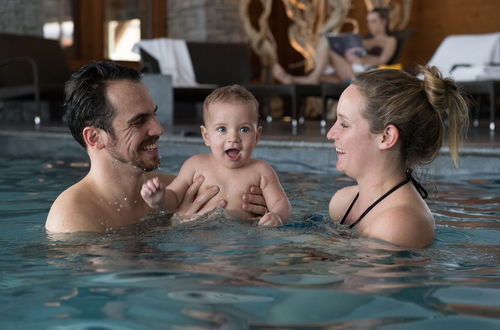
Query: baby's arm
{"points": [[157, 196], [278, 205], [183, 181]]}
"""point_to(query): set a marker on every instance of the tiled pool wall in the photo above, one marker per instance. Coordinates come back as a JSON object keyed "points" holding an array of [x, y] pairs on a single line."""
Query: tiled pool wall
{"points": [[284, 155]]}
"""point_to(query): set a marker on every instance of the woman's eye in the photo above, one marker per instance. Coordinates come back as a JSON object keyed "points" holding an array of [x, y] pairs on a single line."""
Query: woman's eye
{"points": [[343, 125], [221, 129], [245, 129]]}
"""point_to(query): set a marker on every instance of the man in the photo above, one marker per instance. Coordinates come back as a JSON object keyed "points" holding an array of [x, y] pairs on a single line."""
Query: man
{"points": [[111, 114]]}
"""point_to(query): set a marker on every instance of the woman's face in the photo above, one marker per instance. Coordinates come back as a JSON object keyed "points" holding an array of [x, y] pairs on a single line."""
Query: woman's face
{"points": [[355, 144], [375, 23]]}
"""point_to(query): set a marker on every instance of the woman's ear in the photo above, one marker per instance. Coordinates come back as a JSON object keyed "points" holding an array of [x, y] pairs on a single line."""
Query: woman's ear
{"points": [[204, 134], [390, 137], [93, 137]]}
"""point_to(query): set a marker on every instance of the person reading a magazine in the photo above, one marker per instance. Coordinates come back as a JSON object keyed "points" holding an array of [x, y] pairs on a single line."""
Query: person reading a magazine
{"points": [[380, 48]]}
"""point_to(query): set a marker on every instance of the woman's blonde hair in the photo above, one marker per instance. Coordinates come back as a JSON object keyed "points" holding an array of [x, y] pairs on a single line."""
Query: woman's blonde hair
{"points": [[418, 108]]}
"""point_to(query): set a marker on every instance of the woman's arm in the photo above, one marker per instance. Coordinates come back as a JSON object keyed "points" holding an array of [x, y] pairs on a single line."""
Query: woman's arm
{"points": [[388, 50]]}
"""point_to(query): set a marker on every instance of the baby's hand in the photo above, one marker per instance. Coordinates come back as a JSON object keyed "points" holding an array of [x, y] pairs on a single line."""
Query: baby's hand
{"points": [[270, 219], [153, 193]]}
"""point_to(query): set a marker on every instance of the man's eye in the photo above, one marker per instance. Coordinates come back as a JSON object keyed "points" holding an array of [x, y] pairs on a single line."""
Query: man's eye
{"points": [[138, 122], [245, 129], [343, 125], [221, 129]]}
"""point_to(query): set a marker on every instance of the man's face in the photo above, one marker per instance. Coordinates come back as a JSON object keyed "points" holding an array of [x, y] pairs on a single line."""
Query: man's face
{"points": [[135, 126]]}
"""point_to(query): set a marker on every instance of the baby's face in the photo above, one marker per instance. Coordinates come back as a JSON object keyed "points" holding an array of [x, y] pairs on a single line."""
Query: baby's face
{"points": [[231, 132]]}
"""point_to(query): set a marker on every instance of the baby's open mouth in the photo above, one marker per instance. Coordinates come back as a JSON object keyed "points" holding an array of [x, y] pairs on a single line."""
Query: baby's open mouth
{"points": [[232, 153]]}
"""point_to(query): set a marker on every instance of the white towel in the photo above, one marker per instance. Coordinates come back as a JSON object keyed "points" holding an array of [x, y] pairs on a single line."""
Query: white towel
{"points": [[173, 58]]}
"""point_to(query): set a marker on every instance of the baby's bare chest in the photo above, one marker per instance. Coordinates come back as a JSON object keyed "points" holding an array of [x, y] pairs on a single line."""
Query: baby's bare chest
{"points": [[232, 185]]}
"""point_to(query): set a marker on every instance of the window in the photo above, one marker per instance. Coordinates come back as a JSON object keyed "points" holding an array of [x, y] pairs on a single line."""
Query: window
{"points": [[58, 21], [126, 22]]}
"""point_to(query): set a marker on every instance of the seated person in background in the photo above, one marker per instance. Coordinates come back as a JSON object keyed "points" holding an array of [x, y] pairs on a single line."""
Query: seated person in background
{"points": [[380, 49], [111, 114], [230, 116], [388, 123]]}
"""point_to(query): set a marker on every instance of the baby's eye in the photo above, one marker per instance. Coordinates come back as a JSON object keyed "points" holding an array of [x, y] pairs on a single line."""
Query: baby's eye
{"points": [[245, 129], [221, 129]]}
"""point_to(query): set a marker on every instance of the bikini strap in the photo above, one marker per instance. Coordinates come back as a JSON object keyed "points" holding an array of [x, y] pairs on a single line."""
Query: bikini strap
{"points": [[421, 190], [349, 209]]}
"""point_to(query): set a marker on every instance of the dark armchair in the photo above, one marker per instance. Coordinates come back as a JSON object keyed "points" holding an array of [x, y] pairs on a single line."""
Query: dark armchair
{"points": [[32, 66]]}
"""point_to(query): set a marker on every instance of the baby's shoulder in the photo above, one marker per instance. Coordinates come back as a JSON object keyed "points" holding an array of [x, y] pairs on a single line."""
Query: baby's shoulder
{"points": [[260, 165], [198, 158], [197, 161]]}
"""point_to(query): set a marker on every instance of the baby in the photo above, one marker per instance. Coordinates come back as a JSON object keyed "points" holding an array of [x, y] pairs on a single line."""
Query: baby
{"points": [[230, 116]]}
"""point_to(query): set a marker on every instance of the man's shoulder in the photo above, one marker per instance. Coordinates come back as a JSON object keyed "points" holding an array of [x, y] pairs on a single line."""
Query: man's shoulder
{"points": [[72, 210]]}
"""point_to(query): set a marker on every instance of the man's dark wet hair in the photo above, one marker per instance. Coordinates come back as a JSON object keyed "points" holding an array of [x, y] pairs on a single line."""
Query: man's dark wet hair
{"points": [[85, 100]]}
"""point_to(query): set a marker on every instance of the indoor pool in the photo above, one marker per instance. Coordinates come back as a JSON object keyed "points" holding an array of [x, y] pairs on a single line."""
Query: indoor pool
{"points": [[221, 274]]}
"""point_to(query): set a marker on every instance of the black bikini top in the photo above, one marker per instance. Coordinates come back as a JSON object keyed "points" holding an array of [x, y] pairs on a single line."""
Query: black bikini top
{"points": [[375, 51], [421, 190]]}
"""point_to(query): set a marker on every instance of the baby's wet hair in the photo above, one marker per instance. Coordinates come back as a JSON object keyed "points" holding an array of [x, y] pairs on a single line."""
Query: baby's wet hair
{"points": [[232, 93]]}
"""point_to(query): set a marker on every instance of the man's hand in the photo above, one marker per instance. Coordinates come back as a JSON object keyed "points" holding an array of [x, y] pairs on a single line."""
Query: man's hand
{"points": [[254, 202], [194, 205]]}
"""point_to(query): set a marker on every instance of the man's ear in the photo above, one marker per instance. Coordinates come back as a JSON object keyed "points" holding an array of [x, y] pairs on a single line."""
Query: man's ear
{"points": [[94, 137], [390, 137], [204, 134]]}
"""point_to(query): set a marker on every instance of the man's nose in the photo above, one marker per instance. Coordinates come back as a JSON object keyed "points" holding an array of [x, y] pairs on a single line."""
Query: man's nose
{"points": [[156, 128]]}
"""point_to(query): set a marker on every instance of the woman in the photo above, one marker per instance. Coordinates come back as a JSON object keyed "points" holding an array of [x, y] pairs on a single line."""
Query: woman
{"points": [[380, 49], [389, 122]]}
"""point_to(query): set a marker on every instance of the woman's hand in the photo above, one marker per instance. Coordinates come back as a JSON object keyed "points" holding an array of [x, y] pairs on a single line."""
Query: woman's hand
{"points": [[254, 202], [195, 204], [353, 55]]}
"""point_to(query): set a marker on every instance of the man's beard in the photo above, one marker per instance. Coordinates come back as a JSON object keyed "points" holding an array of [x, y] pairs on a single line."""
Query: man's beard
{"points": [[135, 162]]}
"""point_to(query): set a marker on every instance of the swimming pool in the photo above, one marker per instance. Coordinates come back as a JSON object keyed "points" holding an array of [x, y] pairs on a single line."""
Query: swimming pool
{"points": [[229, 275]]}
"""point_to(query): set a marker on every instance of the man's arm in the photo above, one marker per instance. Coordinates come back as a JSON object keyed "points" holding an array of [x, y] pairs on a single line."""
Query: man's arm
{"points": [[254, 202]]}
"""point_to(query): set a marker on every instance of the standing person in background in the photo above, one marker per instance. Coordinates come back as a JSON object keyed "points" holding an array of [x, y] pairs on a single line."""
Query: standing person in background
{"points": [[389, 122], [380, 48]]}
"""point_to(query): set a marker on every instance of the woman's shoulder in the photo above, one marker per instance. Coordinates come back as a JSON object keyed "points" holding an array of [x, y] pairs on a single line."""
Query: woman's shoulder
{"points": [[407, 224], [346, 193], [341, 200]]}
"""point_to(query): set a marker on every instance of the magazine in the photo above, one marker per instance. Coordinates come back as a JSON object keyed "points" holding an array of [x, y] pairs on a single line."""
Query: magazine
{"points": [[340, 43]]}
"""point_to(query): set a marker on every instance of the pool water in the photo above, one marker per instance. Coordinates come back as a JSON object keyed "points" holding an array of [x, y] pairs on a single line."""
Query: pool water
{"points": [[221, 274]]}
